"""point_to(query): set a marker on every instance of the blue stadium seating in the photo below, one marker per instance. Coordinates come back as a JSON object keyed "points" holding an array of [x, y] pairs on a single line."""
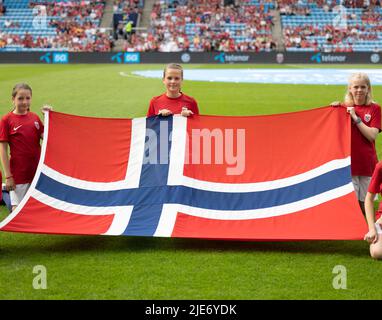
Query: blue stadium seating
{"points": [[20, 13], [319, 18]]}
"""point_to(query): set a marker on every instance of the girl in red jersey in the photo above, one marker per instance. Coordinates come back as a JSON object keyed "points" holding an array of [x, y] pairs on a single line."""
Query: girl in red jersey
{"points": [[173, 101], [366, 124], [374, 236], [22, 130]]}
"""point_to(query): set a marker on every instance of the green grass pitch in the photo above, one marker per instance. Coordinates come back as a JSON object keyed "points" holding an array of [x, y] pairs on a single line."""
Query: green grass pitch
{"points": [[104, 267]]}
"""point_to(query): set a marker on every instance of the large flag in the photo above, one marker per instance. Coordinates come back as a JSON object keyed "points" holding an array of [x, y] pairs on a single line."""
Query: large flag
{"points": [[276, 177]]}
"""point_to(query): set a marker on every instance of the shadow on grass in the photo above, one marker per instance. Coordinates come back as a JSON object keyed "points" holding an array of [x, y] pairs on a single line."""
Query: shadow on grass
{"points": [[26, 243]]}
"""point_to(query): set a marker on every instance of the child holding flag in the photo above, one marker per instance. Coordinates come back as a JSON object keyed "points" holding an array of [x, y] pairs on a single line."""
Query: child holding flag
{"points": [[174, 101], [22, 130], [366, 124]]}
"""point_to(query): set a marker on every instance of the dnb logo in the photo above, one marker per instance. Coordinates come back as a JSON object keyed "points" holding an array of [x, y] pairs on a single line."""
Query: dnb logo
{"points": [[55, 57]]}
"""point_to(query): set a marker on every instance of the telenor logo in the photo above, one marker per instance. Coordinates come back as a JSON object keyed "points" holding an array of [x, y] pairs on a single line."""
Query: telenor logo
{"points": [[319, 58], [117, 57], [316, 57], [220, 57]]}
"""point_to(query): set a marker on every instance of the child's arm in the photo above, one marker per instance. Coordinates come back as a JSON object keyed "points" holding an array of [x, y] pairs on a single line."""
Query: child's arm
{"points": [[9, 181], [371, 236], [369, 133]]}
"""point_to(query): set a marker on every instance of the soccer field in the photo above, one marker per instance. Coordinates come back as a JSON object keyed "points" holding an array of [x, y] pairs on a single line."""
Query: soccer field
{"points": [[104, 267]]}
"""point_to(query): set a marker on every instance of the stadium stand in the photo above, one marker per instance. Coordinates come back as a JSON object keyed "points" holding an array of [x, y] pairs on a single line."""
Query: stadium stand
{"points": [[124, 12], [201, 25], [51, 25], [192, 25], [332, 26]]}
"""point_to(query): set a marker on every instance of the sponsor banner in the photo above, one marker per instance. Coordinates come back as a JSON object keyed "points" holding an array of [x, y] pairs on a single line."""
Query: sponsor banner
{"points": [[52, 57]]}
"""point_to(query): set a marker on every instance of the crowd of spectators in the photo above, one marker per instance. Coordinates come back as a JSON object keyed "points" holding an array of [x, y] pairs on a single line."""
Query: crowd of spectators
{"points": [[199, 26], [76, 24], [11, 24], [126, 17], [128, 6], [205, 25], [302, 7], [337, 37], [2, 9]]}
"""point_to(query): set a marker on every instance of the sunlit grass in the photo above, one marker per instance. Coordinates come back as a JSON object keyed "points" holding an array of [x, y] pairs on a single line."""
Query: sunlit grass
{"points": [[102, 267]]}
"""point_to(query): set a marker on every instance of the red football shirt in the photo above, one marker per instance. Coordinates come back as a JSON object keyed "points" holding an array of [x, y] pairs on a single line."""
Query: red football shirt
{"points": [[363, 153], [375, 185], [175, 105], [23, 133]]}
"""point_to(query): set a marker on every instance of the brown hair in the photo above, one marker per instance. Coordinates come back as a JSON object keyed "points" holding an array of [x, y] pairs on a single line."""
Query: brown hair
{"points": [[20, 86], [349, 99], [173, 66]]}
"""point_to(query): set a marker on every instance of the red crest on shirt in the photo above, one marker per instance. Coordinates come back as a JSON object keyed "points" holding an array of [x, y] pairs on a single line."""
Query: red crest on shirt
{"points": [[367, 117], [37, 125]]}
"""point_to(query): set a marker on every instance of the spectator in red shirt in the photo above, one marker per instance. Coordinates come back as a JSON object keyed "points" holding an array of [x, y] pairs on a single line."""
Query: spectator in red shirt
{"points": [[174, 101], [22, 130]]}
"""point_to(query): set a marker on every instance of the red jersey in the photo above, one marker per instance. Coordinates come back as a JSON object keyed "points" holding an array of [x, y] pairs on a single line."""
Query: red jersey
{"points": [[363, 153], [375, 185], [23, 133], [175, 105]]}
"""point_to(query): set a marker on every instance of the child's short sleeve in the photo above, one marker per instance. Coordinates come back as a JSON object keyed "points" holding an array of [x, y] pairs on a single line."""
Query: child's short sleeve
{"points": [[4, 129]]}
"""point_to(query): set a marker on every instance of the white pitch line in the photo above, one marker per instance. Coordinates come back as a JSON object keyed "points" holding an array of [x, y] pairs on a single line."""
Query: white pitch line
{"points": [[129, 75]]}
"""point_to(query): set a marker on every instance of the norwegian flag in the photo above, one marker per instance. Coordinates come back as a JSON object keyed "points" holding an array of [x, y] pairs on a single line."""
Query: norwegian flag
{"points": [[276, 177]]}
